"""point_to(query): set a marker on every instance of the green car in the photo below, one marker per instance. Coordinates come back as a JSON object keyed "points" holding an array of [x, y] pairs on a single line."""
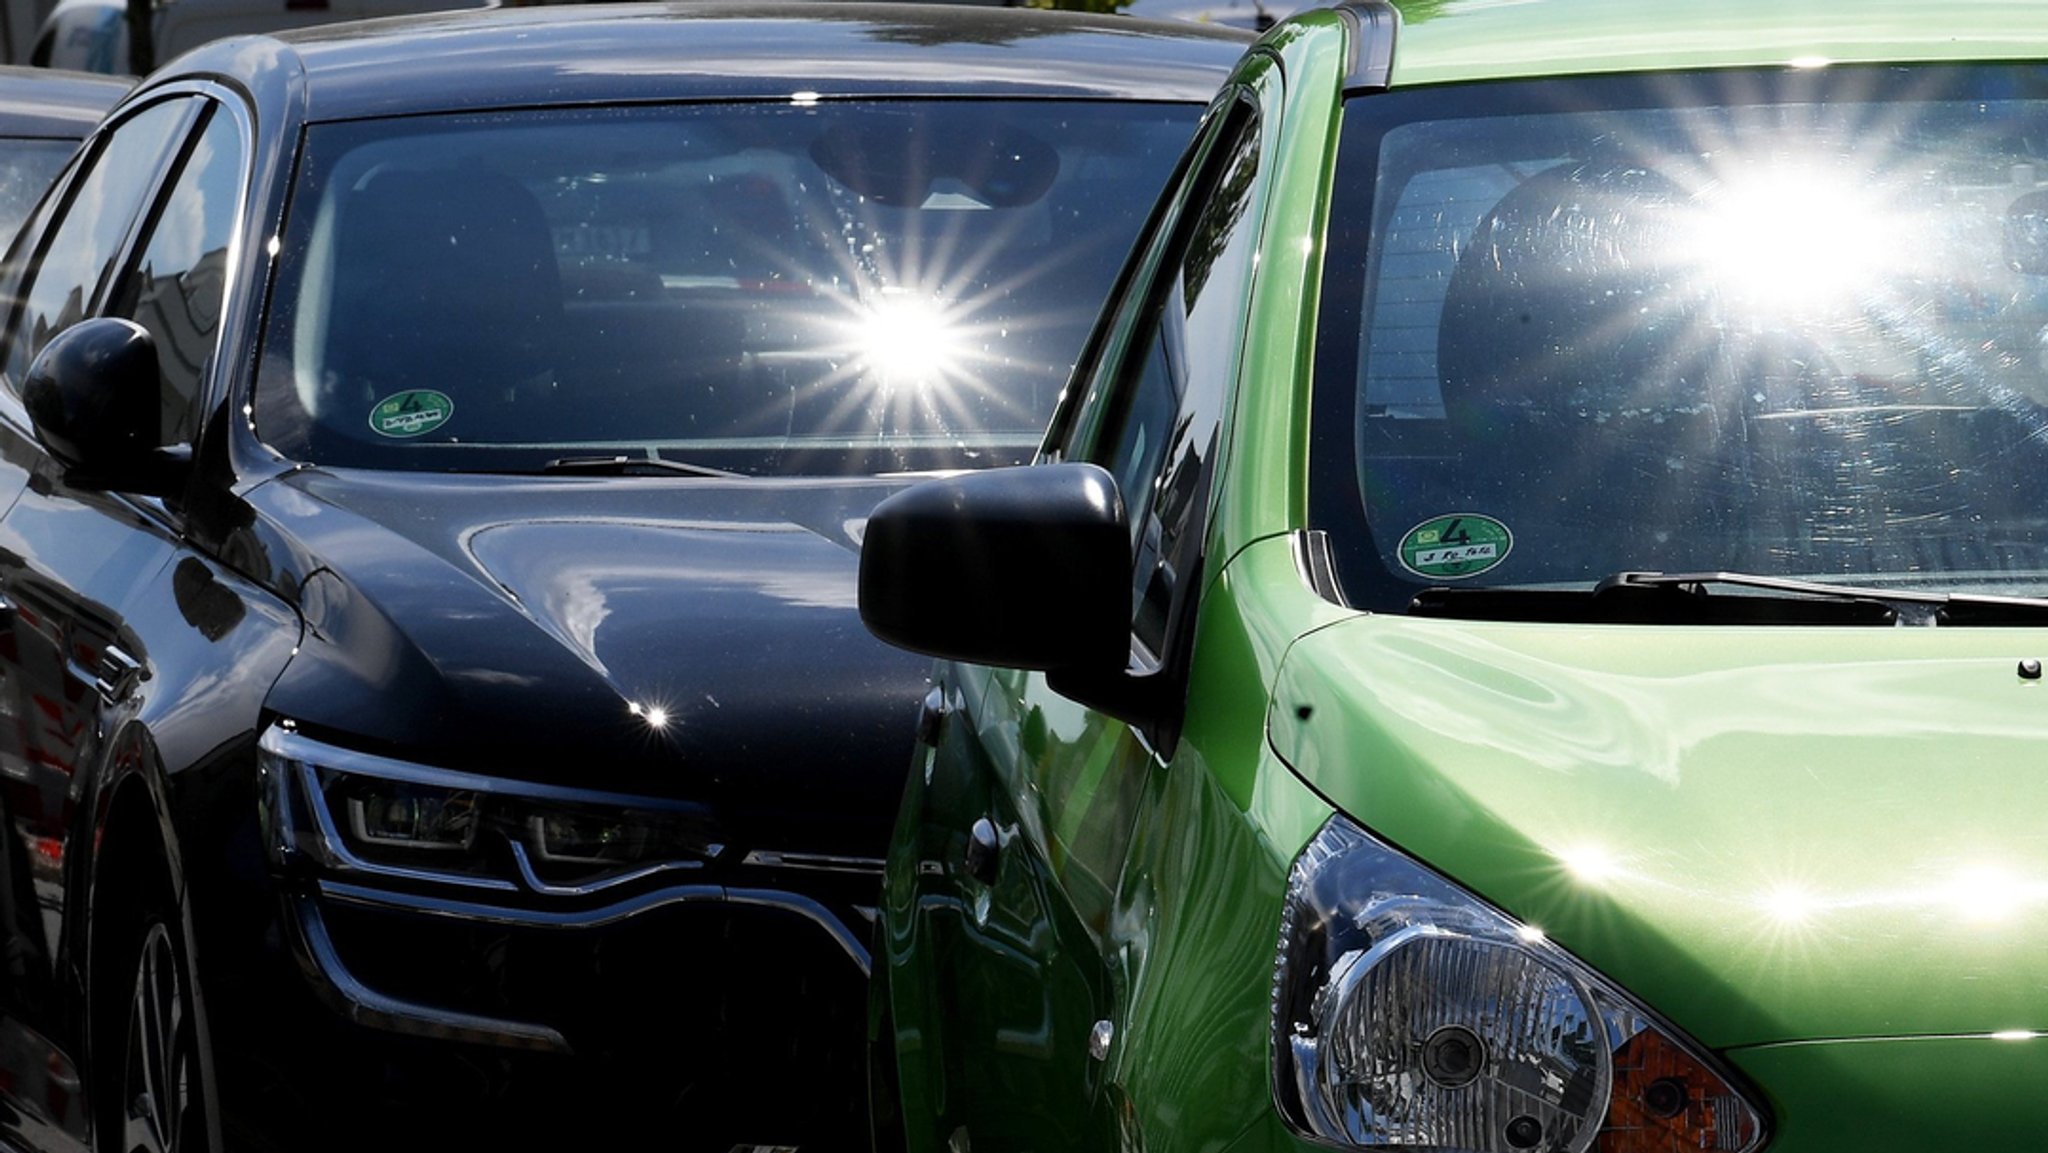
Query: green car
{"points": [[1526, 630]]}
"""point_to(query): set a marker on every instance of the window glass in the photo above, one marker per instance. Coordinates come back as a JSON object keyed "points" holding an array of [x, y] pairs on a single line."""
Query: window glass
{"points": [[88, 237], [176, 288], [1161, 441], [771, 289], [1786, 324], [26, 169]]}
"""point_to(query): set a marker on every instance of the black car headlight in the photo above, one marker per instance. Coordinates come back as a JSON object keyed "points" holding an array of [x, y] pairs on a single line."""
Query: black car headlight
{"points": [[355, 812], [1407, 1012]]}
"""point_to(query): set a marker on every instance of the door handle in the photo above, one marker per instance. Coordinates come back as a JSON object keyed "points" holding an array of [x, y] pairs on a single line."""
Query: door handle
{"points": [[984, 852]]}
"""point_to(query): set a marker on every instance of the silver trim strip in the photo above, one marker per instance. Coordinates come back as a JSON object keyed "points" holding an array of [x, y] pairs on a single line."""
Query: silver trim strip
{"points": [[534, 882], [366, 1006], [814, 862], [801, 906], [298, 747], [1318, 568]]}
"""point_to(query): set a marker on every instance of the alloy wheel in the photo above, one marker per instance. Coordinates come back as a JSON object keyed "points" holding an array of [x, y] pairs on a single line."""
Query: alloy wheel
{"points": [[156, 1082]]}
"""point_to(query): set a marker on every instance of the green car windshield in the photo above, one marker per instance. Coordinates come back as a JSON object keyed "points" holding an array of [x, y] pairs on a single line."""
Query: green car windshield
{"points": [[1791, 324], [803, 287]]}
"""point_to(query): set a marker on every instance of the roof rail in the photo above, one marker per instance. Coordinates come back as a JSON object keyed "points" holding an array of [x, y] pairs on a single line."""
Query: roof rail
{"points": [[1374, 25]]}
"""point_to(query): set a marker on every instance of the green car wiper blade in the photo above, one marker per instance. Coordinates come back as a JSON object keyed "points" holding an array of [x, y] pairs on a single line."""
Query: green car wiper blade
{"points": [[1646, 604], [1686, 598], [629, 466]]}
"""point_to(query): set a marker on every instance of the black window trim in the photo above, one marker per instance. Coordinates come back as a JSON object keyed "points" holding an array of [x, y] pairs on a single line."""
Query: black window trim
{"points": [[1158, 695]]}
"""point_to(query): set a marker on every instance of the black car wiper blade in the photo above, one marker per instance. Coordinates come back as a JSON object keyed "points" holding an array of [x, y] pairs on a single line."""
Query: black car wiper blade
{"points": [[629, 466], [1685, 598]]}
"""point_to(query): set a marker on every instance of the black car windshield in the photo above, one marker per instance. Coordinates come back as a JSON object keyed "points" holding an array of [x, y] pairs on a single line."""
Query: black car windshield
{"points": [[1788, 324], [809, 287]]}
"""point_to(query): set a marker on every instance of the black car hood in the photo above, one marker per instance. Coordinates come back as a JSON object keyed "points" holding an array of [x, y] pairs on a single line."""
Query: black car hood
{"points": [[697, 639]]}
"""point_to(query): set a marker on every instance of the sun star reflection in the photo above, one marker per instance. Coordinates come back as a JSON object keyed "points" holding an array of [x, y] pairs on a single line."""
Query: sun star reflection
{"points": [[1788, 906], [1987, 896], [909, 340], [1589, 863], [1791, 237]]}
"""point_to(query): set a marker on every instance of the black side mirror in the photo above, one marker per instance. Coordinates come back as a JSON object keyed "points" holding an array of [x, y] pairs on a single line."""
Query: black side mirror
{"points": [[93, 395], [1025, 567]]}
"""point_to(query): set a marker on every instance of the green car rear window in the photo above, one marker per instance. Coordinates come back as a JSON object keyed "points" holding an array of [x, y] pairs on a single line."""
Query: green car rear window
{"points": [[1791, 323]]}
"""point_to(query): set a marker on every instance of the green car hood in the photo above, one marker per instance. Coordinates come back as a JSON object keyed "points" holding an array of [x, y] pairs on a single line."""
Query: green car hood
{"points": [[1767, 834]]}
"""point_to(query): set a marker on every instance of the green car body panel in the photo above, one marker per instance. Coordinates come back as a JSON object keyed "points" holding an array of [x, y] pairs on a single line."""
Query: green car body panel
{"points": [[1818, 852], [1461, 40]]}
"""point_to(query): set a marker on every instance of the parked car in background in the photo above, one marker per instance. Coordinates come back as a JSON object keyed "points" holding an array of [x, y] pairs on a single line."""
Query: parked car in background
{"points": [[1441, 686], [43, 116], [438, 710], [96, 35]]}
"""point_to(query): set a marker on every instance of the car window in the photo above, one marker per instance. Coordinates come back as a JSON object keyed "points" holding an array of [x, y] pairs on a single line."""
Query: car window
{"points": [[175, 290], [91, 229], [1720, 324], [26, 169], [1160, 436], [829, 289]]}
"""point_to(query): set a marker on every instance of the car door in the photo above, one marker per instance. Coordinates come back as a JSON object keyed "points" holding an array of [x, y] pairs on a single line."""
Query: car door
{"points": [[143, 232], [1029, 800]]}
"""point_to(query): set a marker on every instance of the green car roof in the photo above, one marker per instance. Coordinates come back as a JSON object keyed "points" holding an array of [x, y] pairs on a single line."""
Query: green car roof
{"points": [[1457, 40]]}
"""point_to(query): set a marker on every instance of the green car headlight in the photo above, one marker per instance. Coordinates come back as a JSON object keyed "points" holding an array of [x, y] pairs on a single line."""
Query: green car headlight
{"points": [[1408, 1013]]}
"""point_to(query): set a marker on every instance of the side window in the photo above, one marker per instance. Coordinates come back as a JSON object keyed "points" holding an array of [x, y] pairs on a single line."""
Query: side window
{"points": [[176, 288], [90, 230], [1160, 438]]}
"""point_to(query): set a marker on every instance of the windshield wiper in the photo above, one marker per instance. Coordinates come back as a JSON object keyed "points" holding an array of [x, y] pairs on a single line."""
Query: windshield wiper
{"points": [[628, 466], [1687, 598]]}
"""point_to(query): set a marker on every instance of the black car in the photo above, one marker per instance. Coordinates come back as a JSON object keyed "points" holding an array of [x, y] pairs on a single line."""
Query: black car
{"points": [[43, 116], [433, 457]]}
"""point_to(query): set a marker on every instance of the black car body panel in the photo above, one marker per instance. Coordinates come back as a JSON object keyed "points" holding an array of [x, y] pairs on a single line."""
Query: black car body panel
{"points": [[527, 628], [220, 702], [724, 51]]}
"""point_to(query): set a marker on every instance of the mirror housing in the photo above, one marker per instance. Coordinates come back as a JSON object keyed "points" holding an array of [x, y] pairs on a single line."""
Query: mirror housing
{"points": [[93, 395], [1026, 567]]}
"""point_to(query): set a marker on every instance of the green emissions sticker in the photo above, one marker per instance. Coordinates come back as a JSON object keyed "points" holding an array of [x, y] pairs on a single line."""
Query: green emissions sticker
{"points": [[414, 412], [1454, 547]]}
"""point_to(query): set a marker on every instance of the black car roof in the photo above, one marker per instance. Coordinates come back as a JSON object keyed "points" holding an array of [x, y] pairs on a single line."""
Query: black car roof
{"points": [[611, 53], [38, 102]]}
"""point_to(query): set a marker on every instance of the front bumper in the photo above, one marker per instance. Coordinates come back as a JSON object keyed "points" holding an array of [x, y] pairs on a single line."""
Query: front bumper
{"points": [[692, 988]]}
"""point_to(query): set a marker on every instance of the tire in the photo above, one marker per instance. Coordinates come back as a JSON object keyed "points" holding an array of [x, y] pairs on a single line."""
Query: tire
{"points": [[150, 1097]]}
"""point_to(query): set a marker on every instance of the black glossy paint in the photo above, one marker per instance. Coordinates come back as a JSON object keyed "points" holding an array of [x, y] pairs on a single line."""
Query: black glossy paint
{"points": [[521, 630], [508, 626]]}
